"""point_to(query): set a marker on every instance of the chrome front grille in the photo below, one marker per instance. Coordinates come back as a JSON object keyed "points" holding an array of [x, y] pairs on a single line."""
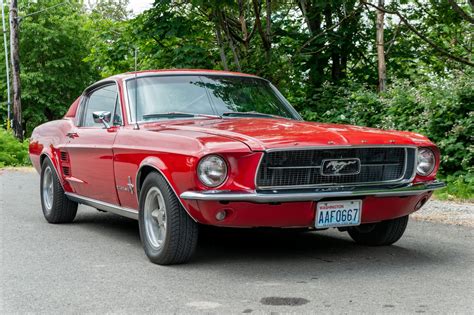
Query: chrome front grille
{"points": [[303, 168]]}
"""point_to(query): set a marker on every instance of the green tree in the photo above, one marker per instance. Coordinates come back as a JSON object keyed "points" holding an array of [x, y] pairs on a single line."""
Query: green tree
{"points": [[52, 49]]}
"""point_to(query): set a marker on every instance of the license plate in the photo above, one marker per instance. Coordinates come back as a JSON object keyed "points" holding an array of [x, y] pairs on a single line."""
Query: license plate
{"points": [[338, 213]]}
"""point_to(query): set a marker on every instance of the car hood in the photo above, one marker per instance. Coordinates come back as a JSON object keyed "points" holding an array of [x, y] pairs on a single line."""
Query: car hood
{"points": [[264, 133]]}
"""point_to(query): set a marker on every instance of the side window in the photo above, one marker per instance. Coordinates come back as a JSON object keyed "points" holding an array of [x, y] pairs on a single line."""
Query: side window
{"points": [[102, 99]]}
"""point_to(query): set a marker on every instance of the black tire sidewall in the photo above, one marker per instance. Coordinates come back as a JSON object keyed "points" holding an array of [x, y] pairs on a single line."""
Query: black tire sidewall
{"points": [[383, 234], [182, 231], [153, 180], [62, 210], [49, 216]]}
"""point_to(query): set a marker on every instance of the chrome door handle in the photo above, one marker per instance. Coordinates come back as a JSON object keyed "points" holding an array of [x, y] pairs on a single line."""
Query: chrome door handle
{"points": [[72, 135]]}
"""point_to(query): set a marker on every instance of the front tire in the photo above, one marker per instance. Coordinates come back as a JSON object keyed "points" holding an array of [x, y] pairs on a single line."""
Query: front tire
{"points": [[57, 208], [379, 234], [168, 234]]}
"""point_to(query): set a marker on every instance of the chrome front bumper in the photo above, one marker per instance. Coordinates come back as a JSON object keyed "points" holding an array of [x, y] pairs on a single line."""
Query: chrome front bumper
{"points": [[311, 194]]}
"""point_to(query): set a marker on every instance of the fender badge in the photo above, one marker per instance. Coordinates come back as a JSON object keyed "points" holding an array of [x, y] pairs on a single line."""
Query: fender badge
{"points": [[129, 187]]}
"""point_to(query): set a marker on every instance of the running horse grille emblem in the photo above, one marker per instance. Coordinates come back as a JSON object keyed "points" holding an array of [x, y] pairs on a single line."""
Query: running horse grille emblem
{"points": [[340, 167]]}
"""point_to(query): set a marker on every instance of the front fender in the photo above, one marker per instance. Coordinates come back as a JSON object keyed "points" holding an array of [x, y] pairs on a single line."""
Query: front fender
{"points": [[155, 164]]}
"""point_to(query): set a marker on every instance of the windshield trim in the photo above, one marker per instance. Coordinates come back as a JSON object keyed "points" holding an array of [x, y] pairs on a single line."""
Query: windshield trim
{"points": [[278, 94]]}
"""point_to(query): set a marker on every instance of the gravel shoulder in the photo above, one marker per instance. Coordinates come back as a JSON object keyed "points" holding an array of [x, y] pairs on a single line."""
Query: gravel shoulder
{"points": [[447, 212]]}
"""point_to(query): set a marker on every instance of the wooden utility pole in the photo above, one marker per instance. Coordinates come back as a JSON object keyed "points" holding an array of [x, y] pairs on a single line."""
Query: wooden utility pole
{"points": [[15, 59], [379, 41]]}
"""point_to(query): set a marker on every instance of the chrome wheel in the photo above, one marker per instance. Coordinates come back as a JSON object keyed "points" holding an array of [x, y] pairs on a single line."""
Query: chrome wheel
{"points": [[48, 189], [155, 217]]}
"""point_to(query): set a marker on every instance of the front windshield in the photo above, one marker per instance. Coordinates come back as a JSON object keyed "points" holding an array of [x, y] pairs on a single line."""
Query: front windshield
{"points": [[166, 97]]}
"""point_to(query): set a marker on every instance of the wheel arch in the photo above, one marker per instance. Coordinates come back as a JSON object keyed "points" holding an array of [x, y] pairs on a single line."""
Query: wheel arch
{"points": [[45, 156], [154, 164], [142, 173]]}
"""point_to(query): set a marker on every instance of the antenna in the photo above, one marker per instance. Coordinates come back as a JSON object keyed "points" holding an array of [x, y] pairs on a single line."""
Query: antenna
{"points": [[137, 127]]}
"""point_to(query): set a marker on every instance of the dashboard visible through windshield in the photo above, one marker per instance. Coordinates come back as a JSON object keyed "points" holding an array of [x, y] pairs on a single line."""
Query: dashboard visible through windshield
{"points": [[188, 96]]}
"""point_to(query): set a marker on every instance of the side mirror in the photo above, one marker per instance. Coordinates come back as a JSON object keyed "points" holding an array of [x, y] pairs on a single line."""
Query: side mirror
{"points": [[102, 117]]}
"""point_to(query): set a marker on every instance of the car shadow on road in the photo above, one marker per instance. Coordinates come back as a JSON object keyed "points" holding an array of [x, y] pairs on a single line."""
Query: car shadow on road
{"points": [[121, 229], [304, 251], [244, 249]]}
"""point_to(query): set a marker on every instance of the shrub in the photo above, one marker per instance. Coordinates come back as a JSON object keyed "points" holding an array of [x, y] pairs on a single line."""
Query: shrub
{"points": [[12, 151], [458, 187], [349, 104], [441, 109]]}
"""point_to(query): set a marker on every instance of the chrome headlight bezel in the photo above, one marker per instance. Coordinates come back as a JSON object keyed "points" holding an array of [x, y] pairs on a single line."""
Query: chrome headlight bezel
{"points": [[425, 161], [212, 170]]}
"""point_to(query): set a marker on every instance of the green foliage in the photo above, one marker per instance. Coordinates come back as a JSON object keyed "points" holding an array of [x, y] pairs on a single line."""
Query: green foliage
{"points": [[442, 109], [353, 104], [458, 187], [52, 49], [12, 151]]}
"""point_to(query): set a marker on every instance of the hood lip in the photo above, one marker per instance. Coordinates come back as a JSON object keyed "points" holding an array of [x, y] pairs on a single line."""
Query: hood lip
{"points": [[253, 144], [342, 146], [257, 145]]}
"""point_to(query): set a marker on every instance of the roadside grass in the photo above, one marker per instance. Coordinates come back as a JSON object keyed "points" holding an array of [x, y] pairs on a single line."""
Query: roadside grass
{"points": [[458, 188], [12, 151]]}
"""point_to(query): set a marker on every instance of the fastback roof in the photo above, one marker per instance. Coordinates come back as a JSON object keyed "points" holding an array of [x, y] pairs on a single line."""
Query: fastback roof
{"points": [[127, 75]]}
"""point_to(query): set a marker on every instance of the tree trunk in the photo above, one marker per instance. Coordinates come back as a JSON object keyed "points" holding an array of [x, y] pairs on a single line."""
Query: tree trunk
{"points": [[269, 21], [379, 41], [304, 11], [336, 63], [230, 41], [267, 45], [243, 25], [221, 47], [15, 56], [317, 62], [268, 32]]}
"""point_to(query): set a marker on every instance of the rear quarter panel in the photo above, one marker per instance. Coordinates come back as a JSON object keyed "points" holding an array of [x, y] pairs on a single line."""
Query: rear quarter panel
{"points": [[46, 141]]}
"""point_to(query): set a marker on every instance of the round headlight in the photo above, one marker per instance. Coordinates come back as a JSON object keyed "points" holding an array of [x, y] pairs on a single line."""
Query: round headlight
{"points": [[212, 170], [425, 162]]}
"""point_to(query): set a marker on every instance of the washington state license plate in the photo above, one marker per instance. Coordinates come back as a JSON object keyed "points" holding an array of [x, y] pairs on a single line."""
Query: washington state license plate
{"points": [[338, 213]]}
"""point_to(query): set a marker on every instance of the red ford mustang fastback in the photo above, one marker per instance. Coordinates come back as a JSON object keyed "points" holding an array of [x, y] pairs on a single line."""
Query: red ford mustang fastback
{"points": [[175, 149]]}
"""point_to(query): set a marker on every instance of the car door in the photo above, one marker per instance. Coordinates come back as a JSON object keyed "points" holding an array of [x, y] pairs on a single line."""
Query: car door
{"points": [[90, 145]]}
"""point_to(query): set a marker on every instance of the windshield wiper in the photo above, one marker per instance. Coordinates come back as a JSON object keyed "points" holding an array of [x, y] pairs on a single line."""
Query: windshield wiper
{"points": [[171, 115], [251, 114]]}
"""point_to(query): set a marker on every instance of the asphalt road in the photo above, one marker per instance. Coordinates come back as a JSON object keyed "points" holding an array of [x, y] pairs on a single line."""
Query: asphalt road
{"points": [[97, 264]]}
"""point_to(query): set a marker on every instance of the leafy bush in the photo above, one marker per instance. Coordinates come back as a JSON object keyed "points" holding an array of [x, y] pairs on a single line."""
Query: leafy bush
{"points": [[442, 109], [349, 104], [458, 187], [12, 151]]}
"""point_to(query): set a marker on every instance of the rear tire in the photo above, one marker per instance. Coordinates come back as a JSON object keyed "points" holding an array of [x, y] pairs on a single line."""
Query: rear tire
{"points": [[379, 234], [57, 208], [169, 235]]}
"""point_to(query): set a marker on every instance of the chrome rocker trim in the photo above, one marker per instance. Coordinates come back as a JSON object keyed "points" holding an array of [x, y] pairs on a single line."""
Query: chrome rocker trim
{"points": [[125, 212], [312, 194]]}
